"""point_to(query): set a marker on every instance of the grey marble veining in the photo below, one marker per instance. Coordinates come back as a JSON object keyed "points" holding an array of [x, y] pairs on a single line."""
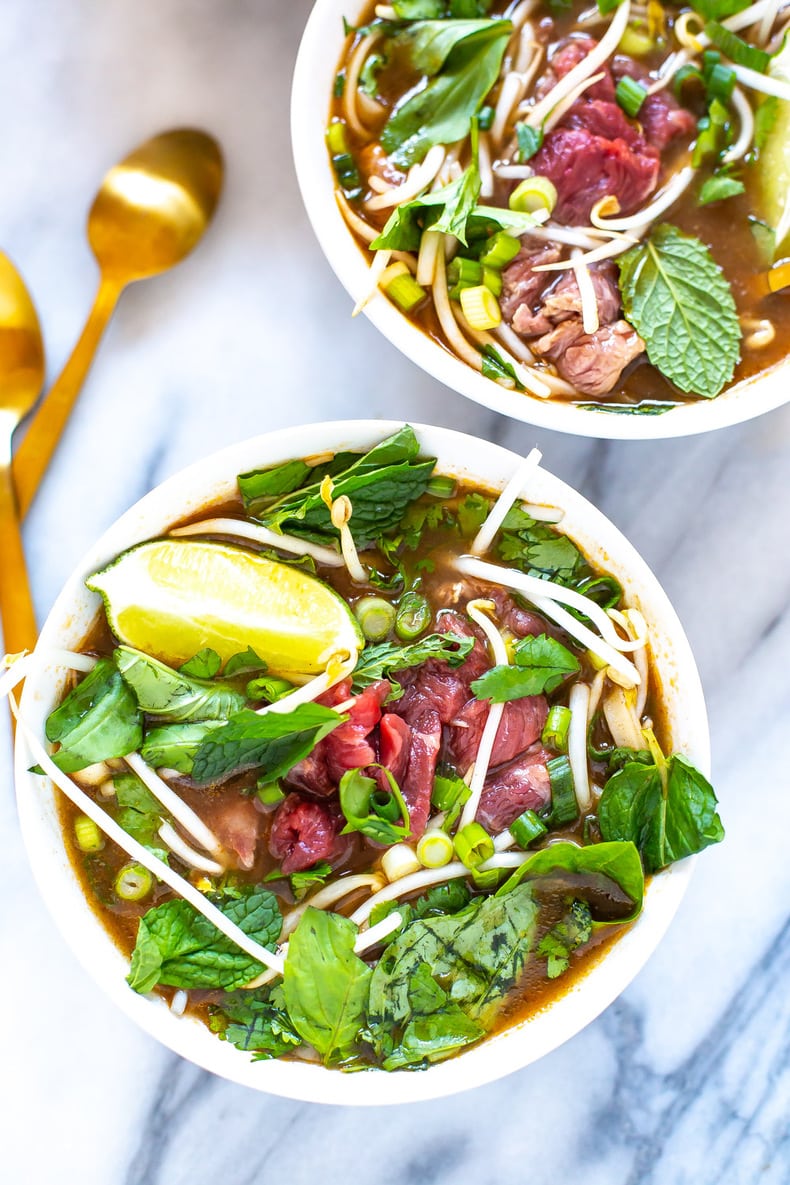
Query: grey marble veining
{"points": [[684, 1081]]}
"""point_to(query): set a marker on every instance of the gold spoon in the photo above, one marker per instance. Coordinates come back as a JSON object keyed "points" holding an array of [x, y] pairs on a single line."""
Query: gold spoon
{"points": [[149, 213], [21, 380]]}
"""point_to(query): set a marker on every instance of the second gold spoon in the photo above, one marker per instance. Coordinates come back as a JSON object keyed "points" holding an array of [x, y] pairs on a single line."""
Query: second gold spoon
{"points": [[149, 213]]}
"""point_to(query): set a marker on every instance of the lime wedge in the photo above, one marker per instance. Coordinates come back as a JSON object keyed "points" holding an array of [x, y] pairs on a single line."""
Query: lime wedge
{"points": [[170, 598], [774, 159]]}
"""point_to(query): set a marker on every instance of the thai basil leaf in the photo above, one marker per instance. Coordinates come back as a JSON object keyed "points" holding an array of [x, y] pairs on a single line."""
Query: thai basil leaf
{"points": [[676, 297], [444, 210], [255, 1021], [567, 936], [615, 862], [172, 695], [98, 720], [462, 59], [540, 665], [275, 742], [139, 813], [325, 984], [666, 817], [379, 662], [273, 483], [179, 947], [173, 746]]}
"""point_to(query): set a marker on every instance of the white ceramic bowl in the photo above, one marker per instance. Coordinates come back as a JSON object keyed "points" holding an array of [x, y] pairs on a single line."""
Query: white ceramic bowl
{"points": [[316, 66], [69, 622]]}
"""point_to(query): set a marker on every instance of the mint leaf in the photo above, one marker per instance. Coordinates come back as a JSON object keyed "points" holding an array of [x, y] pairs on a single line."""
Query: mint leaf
{"points": [[463, 59], [540, 665], [178, 947], [379, 662], [325, 984], [275, 742], [677, 299], [98, 720]]}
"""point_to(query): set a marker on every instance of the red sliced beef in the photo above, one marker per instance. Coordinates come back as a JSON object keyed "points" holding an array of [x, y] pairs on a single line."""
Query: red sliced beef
{"points": [[522, 785], [348, 746], [236, 824], [394, 742], [520, 621], [585, 168], [521, 725], [603, 118], [425, 741], [661, 119], [568, 55], [592, 362], [303, 832], [564, 300], [522, 287], [436, 685]]}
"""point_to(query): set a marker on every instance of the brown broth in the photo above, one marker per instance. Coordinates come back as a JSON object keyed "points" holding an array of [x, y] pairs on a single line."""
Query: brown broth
{"points": [[96, 872], [723, 227]]}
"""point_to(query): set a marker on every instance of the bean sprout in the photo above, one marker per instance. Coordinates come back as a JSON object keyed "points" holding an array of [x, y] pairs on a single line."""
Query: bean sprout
{"points": [[746, 134], [494, 717], [418, 179], [579, 705], [510, 494], [241, 529]]}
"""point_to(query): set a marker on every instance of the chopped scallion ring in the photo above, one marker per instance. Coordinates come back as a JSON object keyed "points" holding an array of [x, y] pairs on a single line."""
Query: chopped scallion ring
{"points": [[88, 836], [473, 845], [480, 307], [133, 882], [536, 193], [435, 849]]}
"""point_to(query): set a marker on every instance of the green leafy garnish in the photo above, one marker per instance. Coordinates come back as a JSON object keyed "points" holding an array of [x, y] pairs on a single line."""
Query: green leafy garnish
{"points": [[718, 187], [203, 665], [275, 742], [98, 720], [677, 299], [537, 549], [172, 695], [303, 882], [174, 745], [617, 863], [383, 660], [567, 936], [444, 210], [377, 814], [325, 984], [139, 813], [719, 10], [255, 1021], [540, 665], [495, 367], [245, 662], [178, 947], [530, 141], [667, 810], [462, 59]]}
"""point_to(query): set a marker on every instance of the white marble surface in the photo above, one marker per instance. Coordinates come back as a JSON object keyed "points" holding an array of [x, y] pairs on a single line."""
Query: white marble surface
{"points": [[685, 1079]]}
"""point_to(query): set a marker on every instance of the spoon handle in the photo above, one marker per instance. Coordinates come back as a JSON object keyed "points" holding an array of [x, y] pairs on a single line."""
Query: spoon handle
{"points": [[46, 427], [16, 607]]}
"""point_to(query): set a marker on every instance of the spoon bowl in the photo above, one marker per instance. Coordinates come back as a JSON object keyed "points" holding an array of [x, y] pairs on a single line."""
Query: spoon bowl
{"points": [[151, 210]]}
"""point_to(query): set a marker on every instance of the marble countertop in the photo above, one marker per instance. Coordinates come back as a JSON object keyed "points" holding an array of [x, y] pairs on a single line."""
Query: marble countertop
{"points": [[685, 1078]]}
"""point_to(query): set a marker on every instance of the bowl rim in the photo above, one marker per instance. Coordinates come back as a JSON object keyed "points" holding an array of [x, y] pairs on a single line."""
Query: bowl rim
{"points": [[498, 1055], [310, 99]]}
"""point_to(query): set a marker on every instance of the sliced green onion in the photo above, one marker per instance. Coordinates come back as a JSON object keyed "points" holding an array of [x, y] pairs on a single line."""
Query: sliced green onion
{"points": [[413, 616], [466, 272], [376, 617], [402, 288], [500, 249], [635, 43], [527, 828], [441, 487], [486, 880], [133, 882], [385, 805], [535, 193], [448, 789], [485, 118], [736, 49], [606, 591], [555, 730], [630, 95], [87, 835], [473, 845], [435, 849], [336, 138], [686, 75], [481, 308], [530, 141], [564, 807], [270, 793], [268, 687], [721, 82], [493, 280]]}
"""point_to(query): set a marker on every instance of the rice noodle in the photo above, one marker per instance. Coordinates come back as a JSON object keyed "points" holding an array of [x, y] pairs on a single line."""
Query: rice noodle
{"points": [[750, 16], [767, 21], [157, 867], [426, 260], [494, 717], [763, 83], [484, 165], [418, 178], [632, 621], [548, 605], [357, 224], [372, 937], [256, 533], [510, 494], [187, 855], [579, 704], [351, 87], [337, 668], [441, 301], [380, 262], [746, 134], [511, 92], [330, 895], [514, 172], [590, 318], [521, 351], [596, 689], [525, 375], [583, 69], [621, 720], [175, 805]]}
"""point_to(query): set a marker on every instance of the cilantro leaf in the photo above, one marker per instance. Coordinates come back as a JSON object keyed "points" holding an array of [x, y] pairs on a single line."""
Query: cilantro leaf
{"points": [[540, 665], [179, 947], [275, 742], [677, 299], [172, 695]]}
